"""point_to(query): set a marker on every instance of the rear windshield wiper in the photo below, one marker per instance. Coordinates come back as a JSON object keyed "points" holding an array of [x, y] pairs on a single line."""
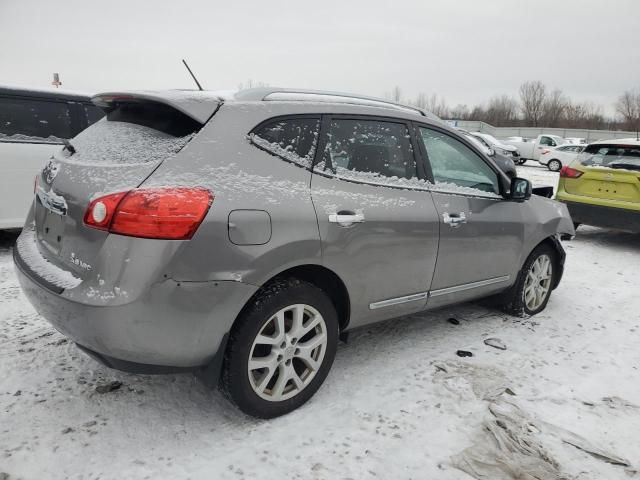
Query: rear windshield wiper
{"points": [[70, 148], [625, 166]]}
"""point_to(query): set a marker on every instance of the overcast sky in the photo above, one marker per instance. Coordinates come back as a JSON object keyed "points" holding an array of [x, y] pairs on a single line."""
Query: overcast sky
{"points": [[464, 50]]}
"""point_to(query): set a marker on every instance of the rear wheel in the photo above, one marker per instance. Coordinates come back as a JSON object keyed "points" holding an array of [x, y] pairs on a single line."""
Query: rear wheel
{"points": [[281, 349], [533, 287], [554, 165]]}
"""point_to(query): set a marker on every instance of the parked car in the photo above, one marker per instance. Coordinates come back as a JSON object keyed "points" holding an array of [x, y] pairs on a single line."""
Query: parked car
{"points": [[532, 149], [499, 147], [239, 237], [602, 186], [34, 124], [504, 162], [557, 157]]}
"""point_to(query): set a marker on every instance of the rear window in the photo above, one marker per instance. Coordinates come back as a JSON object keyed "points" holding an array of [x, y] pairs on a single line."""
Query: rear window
{"points": [[134, 134], [92, 113], [34, 121], [611, 156]]}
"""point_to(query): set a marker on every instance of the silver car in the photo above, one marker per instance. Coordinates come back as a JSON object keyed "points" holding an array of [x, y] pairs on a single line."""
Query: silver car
{"points": [[241, 236]]}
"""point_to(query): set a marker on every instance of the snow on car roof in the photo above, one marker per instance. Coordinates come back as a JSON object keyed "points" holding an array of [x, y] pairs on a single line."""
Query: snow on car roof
{"points": [[48, 91], [618, 141]]}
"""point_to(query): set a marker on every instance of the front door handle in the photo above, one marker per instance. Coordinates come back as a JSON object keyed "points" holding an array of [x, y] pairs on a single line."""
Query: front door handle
{"points": [[346, 219], [454, 219]]}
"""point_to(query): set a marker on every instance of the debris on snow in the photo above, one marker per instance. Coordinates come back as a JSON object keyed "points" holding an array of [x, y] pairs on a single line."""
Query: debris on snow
{"points": [[464, 353], [512, 444], [108, 387], [453, 321], [495, 343]]}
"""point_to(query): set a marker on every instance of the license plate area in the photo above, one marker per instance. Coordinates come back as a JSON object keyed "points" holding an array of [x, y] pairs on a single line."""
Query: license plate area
{"points": [[50, 228]]}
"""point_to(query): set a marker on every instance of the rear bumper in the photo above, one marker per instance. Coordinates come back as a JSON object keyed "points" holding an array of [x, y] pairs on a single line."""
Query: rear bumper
{"points": [[172, 326], [607, 217]]}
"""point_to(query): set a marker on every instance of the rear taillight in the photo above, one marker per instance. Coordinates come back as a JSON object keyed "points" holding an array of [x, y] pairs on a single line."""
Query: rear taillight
{"points": [[568, 172], [169, 213]]}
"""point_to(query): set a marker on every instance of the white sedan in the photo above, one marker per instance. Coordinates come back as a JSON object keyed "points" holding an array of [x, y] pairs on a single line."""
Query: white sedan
{"points": [[557, 157]]}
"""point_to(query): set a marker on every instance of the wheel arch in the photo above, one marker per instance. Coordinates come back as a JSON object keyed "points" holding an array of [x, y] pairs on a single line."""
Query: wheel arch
{"points": [[323, 278], [554, 243]]}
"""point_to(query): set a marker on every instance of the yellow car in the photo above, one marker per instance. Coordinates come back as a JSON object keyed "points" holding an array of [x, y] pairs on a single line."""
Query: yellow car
{"points": [[602, 186]]}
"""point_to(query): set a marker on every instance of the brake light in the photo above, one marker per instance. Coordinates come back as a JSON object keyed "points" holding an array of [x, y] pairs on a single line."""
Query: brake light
{"points": [[169, 213], [568, 172], [546, 150]]}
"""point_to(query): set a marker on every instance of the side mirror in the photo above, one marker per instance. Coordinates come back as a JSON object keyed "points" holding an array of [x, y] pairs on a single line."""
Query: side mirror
{"points": [[520, 189]]}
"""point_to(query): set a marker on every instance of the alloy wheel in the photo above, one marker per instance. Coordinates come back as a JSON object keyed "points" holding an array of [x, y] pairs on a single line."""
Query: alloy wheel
{"points": [[538, 282], [554, 165], [287, 352]]}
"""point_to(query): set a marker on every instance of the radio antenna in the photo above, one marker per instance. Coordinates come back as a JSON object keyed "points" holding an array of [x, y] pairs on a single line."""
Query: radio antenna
{"points": [[192, 75]]}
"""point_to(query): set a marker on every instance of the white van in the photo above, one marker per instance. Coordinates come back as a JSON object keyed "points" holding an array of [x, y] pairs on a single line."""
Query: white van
{"points": [[34, 123]]}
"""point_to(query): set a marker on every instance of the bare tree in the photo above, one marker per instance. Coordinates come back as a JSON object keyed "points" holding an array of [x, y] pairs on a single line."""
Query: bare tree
{"points": [[251, 84], [437, 106], [396, 94], [532, 98], [628, 107], [553, 108], [459, 112], [583, 115], [501, 111]]}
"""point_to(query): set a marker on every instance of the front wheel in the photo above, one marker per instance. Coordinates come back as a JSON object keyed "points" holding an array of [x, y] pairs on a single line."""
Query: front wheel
{"points": [[533, 287], [281, 349], [554, 165]]}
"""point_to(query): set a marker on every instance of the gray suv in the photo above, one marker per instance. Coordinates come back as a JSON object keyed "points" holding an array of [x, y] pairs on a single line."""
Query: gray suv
{"points": [[241, 236]]}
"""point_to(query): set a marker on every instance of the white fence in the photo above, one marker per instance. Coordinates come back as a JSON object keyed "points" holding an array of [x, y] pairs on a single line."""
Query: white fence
{"points": [[532, 132]]}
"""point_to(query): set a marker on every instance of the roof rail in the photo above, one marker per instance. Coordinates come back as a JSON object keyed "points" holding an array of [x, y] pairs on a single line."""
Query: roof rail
{"points": [[301, 95]]}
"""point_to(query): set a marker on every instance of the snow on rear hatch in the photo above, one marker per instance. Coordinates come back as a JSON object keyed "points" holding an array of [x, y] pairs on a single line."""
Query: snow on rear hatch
{"points": [[115, 154]]}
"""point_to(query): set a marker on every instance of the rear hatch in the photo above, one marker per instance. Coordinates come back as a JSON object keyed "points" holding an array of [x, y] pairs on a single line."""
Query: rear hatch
{"points": [[610, 172], [116, 154]]}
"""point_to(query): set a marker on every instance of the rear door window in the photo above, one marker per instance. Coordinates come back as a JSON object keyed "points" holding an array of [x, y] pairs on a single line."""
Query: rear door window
{"points": [[369, 150], [34, 121], [292, 139]]}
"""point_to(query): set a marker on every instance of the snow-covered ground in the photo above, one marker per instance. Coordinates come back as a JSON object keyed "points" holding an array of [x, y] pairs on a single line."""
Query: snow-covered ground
{"points": [[398, 404]]}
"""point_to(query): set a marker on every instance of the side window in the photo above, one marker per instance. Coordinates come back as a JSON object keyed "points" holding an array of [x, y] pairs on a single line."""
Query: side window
{"points": [[452, 162], [546, 141], [293, 139], [27, 120], [368, 150], [92, 113]]}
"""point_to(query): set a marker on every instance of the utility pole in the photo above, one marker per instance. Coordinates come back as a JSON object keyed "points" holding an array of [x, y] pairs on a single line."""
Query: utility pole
{"points": [[56, 80]]}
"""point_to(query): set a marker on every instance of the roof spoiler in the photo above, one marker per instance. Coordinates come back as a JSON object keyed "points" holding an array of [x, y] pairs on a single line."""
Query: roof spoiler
{"points": [[198, 105]]}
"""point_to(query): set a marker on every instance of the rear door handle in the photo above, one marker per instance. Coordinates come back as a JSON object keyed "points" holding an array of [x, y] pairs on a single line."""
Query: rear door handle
{"points": [[346, 219], [454, 219]]}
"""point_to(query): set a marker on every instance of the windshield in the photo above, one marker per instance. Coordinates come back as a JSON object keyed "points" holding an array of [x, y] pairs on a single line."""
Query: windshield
{"points": [[611, 156]]}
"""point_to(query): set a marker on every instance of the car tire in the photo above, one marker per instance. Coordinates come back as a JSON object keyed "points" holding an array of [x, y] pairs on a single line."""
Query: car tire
{"points": [[530, 294], [266, 333], [554, 165]]}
